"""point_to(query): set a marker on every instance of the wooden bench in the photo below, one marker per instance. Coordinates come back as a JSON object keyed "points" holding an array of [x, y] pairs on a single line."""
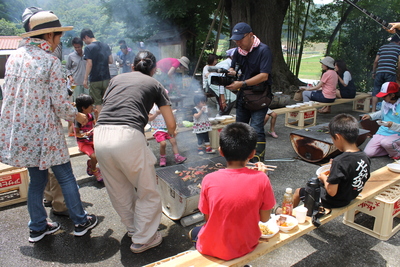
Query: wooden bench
{"points": [[300, 115], [379, 181]]}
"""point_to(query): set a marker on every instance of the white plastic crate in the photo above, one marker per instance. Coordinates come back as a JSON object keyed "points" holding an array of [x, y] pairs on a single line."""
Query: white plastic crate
{"points": [[363, 105], [384, 208], [13, 186], [301, 119]]}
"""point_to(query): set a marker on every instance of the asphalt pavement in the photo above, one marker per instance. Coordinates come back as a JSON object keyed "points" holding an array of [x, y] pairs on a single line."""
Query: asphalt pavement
{"points": [[333, 244]]}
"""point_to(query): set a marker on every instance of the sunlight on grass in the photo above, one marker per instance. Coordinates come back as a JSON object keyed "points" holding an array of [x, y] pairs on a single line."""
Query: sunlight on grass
{"points": [[310, 67]]}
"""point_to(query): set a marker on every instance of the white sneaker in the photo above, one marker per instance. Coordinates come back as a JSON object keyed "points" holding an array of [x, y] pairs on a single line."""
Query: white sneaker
{"points": [[154, 241]]}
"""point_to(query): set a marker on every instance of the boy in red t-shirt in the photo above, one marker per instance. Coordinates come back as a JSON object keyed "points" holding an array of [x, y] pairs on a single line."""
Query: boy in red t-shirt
{"points": [[84, 134], [234, 199]]}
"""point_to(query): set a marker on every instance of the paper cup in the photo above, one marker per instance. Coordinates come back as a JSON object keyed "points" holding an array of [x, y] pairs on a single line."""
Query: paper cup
{"points": [[301, 213]]}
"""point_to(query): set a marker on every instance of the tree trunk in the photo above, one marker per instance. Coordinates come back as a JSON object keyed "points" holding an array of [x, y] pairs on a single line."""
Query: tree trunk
{"points": [[338, 27], [266, 20]]}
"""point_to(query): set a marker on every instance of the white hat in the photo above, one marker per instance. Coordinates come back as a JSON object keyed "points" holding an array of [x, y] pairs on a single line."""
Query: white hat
{"points": [[329, 62], [45, 22], [184, 61]]}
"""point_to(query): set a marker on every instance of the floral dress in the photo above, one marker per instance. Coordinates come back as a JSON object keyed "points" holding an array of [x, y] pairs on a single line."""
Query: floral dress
{"points": [[201, 124], [35, 98]]}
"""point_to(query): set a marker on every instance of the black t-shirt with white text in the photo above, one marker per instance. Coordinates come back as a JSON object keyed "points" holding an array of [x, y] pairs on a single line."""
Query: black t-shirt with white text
{"points": [[350, 171]]}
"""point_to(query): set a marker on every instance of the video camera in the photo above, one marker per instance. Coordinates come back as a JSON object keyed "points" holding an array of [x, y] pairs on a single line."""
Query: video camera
{"points": [[224, 79]]}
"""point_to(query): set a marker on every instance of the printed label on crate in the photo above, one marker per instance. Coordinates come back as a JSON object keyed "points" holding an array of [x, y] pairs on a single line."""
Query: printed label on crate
{"points": [[10, 180], [293, 114], [309, 114], [370, 205], [9, 195], [396, 207]]}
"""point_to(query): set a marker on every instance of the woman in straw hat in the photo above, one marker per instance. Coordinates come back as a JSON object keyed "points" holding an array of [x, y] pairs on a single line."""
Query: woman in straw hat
{"points": [[30, 128], [325, 90]]}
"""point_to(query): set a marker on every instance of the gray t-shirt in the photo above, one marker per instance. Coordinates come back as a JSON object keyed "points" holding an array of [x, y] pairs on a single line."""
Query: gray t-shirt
{"points": [[129, 99]]}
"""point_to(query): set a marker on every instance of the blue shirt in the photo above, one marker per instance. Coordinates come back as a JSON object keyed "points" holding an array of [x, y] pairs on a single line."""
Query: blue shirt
{"points": [[388, 58], [383, 130]]}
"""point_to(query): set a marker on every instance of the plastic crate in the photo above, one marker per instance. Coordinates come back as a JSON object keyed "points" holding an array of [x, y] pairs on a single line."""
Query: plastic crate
{"points": [[384, 208], [301, 119], [13, 186], [363, 105]]}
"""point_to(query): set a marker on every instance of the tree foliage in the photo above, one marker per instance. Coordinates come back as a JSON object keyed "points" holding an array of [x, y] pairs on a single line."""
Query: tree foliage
{"points": [[359, 37], [8, 28]]}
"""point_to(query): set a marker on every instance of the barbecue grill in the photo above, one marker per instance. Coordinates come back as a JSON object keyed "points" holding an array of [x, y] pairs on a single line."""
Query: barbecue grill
{"points": [[315, 143], [181, 197]]}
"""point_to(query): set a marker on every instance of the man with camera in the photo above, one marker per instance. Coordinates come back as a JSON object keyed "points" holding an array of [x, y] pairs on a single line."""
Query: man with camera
{"points": [[254, 85]]}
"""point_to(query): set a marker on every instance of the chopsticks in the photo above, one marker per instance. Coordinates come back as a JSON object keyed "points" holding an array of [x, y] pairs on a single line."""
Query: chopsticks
{"points": [[268, 167]]}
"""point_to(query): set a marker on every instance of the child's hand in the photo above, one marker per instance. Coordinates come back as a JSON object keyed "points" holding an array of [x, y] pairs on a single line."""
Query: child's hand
{"points": [[96, 113], [366, 117]]}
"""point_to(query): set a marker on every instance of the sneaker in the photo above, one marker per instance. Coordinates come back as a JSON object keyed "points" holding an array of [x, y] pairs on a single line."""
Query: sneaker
{"points": [[273, 134], [209, 150], [35, 236], [81, 229], [131, 233], [154, 241], [200, 151], [89, 168], [98, 175], [179, 159], [163, 161]]}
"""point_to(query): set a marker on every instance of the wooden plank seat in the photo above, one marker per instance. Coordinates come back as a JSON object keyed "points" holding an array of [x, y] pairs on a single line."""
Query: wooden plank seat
{"points": [[380, 180], [359, 96], [306, 115]]}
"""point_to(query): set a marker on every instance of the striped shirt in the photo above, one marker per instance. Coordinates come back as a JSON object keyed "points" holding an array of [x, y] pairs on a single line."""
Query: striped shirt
{"points": [[388, 58]]}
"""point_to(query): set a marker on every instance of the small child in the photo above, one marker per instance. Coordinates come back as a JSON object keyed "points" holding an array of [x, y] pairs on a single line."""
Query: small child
{"points": [[201, 124], [349, 171], [273, 115], [161, 135], [234, 199], [84, 134]]}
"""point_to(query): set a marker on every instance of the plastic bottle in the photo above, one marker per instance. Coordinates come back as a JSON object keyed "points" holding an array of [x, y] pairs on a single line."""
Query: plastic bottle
{"points": [[287, 204]]}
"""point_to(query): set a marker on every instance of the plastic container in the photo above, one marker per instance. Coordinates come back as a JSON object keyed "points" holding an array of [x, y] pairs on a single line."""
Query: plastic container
{"points": [[287, 204]]}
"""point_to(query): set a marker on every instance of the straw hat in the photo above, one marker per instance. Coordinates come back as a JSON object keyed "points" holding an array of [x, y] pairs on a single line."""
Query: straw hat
{"points": [[45, 22], [329, 62], [184, 61]]}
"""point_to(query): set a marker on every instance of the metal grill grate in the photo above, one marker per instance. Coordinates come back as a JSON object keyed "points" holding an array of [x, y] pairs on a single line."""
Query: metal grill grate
{"points": [[190, 187]]}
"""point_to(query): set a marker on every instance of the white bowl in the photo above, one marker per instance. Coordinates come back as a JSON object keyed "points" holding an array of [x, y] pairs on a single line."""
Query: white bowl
{"points": [[272, 226], [290, 220], [277, 93], [290, 106], [394, 167], [324, 168], [220, 118], [213, 120], [227, 116]]}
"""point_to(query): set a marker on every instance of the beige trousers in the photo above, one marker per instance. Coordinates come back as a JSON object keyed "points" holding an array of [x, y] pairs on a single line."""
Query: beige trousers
{"points": [[127, 165], [53, 193]]}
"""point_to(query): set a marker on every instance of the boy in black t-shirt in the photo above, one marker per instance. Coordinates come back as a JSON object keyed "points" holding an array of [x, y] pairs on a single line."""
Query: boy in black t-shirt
{"points": [[349, 171]]}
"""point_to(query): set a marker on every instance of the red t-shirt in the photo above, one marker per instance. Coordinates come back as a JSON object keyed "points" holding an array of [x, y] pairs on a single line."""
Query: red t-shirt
{"points": [[233, 198], [165, 64]]}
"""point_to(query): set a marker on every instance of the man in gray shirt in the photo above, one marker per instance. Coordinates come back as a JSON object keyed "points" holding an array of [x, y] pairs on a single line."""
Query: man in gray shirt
{"points": [[76, 66]]}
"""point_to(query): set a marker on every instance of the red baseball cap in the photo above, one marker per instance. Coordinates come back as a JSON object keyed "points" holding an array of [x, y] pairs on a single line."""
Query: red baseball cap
{"points": [[388, 88]]}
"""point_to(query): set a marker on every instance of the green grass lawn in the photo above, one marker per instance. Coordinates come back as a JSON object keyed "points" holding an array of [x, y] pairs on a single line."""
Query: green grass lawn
{"points": [[310, 68]]}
